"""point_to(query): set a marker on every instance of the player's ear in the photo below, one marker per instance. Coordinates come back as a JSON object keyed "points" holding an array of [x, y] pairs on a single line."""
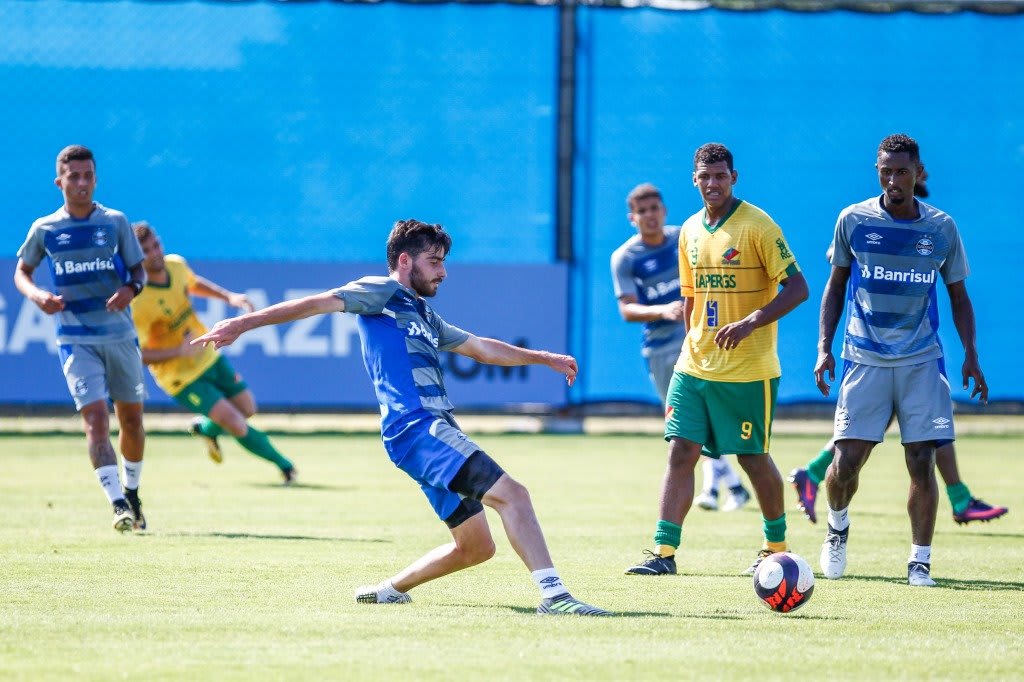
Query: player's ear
{"points": [[631, 218], [735, 176]]}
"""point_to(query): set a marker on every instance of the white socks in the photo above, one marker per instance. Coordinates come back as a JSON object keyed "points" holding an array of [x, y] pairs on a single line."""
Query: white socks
{"points": [[920, 553], [726, 474], [110, 481], [132, 474], [549, 583], [839, 519], [710, 472], [386, 593]]}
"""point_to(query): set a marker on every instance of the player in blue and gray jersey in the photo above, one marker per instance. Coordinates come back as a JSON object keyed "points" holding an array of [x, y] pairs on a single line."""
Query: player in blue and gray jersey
{"points": [[95, 263], [889, 252], [401, 338], [645, 275]]}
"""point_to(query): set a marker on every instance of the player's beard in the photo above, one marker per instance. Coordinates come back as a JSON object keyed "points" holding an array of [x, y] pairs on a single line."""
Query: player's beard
{"points": [[420, 284]]}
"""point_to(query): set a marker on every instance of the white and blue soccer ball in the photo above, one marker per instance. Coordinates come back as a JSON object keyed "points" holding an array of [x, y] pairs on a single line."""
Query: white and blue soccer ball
{"points": [[784, 582]]}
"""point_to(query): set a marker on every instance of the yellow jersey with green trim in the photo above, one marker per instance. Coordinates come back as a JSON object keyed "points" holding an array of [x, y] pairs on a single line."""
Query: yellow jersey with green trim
{"points": [[163, 315], [730, 270]]}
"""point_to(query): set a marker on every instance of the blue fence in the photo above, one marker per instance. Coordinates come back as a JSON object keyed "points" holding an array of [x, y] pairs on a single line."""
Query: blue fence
{"points": [[270, 134]]}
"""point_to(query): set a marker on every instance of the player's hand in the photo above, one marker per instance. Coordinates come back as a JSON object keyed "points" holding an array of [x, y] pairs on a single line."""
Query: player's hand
{"points": [[48, 302], [186, 349], [729, 336], [121, 299], [970, 369], [564, 364], [826, 363], [673, 312], [241, 301], [223, 333]]}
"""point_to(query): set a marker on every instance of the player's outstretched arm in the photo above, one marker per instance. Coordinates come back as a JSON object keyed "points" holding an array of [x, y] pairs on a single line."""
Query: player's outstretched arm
{"points": [[225, 332], [963, 320], [494, 352], [832, 301], [210, 289]]}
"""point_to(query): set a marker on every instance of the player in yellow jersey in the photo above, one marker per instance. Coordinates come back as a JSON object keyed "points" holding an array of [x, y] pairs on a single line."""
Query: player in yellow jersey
{"points": [[738, 277], [197, 377]]}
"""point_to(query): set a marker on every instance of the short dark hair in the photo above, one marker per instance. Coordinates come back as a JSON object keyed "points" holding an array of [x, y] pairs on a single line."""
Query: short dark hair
{"points": [[644, 190], [710, 153], [74, 152], [414, 237], [143, 230], [895, 144]]}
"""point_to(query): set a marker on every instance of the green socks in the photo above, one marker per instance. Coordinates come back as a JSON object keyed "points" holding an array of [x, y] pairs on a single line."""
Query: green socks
{"points": [[818, 466], [209, 428], [667, 534], [959, 497], [775, 530], [256, 442]]}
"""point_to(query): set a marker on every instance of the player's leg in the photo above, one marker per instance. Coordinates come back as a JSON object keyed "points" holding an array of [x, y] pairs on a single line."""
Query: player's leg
{"points": [[132, 442], [226, 414], [863, 412], [806, 480], [727, 477], [86, 379], [922, 505], [966, 507], [708, 497]]}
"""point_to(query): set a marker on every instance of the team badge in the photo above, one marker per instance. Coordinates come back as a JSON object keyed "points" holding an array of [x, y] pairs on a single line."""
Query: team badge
{"points": [[731, 257], [99, 237], [842, 420], [81, 388], [925, 246]]}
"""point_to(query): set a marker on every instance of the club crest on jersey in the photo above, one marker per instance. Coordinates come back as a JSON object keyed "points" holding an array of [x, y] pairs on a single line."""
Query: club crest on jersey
{"points": [[417, 329], [99, 237], [731, 257], [925, 246]]}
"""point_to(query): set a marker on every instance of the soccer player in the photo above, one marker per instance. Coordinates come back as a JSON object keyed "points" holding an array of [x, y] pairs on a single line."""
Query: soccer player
{"points": [[96, 266], [966, 507], [889, 251], [401, 339], [198, 378], [645, 274], [733, 259]]}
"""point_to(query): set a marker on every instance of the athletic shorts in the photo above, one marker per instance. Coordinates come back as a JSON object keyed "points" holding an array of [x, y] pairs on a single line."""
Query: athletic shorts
{"points": [[433, 452], [918, 395], [219, 381], [101, 371], [660, 368], [724, 417]]}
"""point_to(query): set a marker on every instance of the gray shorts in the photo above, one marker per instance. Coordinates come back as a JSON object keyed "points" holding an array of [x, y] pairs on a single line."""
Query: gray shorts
{"points": [[918, 396], [660, 366], [101, 371]]}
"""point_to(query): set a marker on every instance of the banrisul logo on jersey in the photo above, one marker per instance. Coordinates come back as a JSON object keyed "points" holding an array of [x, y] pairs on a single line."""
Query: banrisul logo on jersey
{"points": [[70, 267], [880, 272], [417, 329]]}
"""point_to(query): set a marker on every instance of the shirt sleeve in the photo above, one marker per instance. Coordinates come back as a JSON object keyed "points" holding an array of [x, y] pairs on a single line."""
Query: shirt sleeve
{"points": [[131, 251], [33, 250], [190, 277], [779, 262], [449, 336], [366, 296], [839, 252], [622, 275], [955, 268]]}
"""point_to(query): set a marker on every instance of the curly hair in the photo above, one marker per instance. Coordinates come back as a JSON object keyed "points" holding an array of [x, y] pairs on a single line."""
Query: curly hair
{"points": [[414, 237], [712, 152], [895, 144]]}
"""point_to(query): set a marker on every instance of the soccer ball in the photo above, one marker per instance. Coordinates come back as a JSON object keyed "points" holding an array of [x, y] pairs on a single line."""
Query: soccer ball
{"points": [[784, 582]]}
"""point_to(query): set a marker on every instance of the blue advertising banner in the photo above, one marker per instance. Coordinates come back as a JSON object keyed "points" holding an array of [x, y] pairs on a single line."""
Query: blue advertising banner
{"points": [[316, 362]]}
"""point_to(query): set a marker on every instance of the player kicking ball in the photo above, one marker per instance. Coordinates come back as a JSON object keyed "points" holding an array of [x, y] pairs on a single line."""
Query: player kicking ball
{"points": [[401, 339]]}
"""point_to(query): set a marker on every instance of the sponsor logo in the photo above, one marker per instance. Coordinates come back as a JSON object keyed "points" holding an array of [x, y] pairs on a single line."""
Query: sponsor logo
{"points": [[874, 238], [552, 581], [880, 272], [784, 251], [715, 281], [63, 238], [70, 267], [417, 329], [941, 423], [731, 257], [925, 246], [842, 420], [99, 237], [650, 265], [81, 388], [660, 289]]}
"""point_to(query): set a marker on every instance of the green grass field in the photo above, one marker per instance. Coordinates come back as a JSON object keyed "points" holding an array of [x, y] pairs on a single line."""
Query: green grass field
{"points": [[239, 578]]}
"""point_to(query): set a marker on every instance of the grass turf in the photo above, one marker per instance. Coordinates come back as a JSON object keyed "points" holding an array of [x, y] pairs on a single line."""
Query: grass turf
{"points": [[239, 578]]}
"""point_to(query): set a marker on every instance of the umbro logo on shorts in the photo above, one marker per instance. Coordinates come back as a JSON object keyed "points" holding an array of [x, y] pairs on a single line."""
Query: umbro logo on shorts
{"points": [[941, 423]]}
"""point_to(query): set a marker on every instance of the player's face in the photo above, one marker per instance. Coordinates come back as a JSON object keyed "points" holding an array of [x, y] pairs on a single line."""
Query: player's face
{"points": [[897, 174], [648, 216], [77, 181], [427, 272], [714, 181], [153, 253]]}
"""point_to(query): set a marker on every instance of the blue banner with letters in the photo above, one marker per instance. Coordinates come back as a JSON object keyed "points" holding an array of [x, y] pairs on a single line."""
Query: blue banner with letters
{"points": [[316, 362]]}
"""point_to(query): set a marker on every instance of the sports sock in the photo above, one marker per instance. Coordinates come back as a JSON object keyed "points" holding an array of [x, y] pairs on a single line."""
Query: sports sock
{"points": [[132, 474], [959, 497], [817, 467], [256, 442], [710, 483], [110, 481], [774, 532], [666, 538], [839, 519], [921, 553], [209, 428], [727, 476], [549, 583], [386, 589]]}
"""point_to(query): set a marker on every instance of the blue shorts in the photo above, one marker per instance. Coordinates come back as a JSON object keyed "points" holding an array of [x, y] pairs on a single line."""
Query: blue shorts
{"points": [[432, 451]]}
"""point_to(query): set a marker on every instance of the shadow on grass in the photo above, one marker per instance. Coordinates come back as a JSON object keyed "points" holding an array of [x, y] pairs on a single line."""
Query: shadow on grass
{"points": [[304, 486], [948, 583], [264, 536], [983, 534], [629, 614]]}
